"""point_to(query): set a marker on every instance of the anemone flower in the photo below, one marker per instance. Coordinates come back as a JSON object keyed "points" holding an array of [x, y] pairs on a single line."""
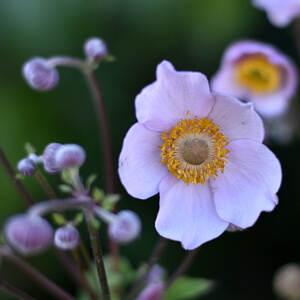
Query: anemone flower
{"points": [[257, 72], [280, 12], [203, 153]]}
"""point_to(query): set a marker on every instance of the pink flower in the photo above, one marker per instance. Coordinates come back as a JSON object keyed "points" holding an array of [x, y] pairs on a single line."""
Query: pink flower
{"points": [[202, 153], [259, 73], [280, 12]]}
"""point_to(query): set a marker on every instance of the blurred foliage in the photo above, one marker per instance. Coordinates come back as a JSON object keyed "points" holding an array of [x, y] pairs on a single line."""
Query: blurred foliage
{"points": [[192, 34]]}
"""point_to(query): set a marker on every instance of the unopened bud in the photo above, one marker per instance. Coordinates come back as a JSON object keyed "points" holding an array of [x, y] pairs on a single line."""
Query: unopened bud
{"points": [[287, 281], [70, 156], [39, 75], [28, 234], [66, 238], [49, 158], [153, 291], [26, 167], [125, 227], [156, 274], [95, 49]]}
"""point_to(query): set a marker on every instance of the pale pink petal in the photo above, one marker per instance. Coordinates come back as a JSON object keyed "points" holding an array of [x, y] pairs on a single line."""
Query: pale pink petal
{"points": [[162, 104], [187, 213], [270, 105], [237, 120], [140, 169], [249, 184]]}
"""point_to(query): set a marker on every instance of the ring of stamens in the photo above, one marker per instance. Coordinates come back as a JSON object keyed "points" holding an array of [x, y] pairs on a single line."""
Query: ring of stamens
{"points": [[256, 73], [194, 150]]}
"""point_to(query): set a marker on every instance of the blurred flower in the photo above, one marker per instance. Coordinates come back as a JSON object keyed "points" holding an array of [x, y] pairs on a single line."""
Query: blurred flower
{"points": [[257, 72], [287, 281], [26, 167], [49, 158], [280, 12], [66, 238], [28, 234], [70, 156], [153, 291], [95, 49], [39, 75], [125, 227], [203, 153]]}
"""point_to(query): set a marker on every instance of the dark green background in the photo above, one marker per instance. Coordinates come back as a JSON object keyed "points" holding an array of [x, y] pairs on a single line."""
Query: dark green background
{"points": [[192, 34]]}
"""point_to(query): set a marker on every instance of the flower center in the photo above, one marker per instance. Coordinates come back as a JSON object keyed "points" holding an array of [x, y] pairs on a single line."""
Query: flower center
{"points": [[257, 74], [194, 150]]}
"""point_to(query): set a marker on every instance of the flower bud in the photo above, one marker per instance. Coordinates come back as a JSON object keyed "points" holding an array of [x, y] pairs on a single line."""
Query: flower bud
{"points": [[39, 75], [70, 156], [28, 234], [153, 291], [66, 238], [156, 274], [287, 281], [26, 167], [49, 158], [125, 227], [95, 49]]}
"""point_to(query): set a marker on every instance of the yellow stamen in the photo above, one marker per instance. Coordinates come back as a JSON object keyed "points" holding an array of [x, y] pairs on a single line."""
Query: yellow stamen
{"points": [[257, 74], [194, 150]]}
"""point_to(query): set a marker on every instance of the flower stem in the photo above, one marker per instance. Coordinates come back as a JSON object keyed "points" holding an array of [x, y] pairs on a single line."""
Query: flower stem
{"points": [[155, 256], [182, 267], [44, 183], [11, 173], [13, 291], [97, 252], [42, 280]]}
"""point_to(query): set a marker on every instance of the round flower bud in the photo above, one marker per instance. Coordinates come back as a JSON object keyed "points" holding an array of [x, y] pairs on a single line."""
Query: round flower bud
{"points": [[70, 156], [28, 234], [153, 291], [125, 227], [66, 238], [287, 281], [95, 49], [39, 75], [49, 158], [26, 167]]}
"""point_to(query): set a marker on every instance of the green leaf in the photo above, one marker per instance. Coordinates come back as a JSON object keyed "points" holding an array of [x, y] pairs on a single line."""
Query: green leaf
{"points": [[90, 180], [66, 177], [95, 223], [188, 288], [65, 188], [78, 218], [29, 148], [109, 201], [59, 219], [20, 176], [98, 194]]}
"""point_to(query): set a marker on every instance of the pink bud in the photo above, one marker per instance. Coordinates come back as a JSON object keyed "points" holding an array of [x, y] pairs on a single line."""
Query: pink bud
{"points": [[26, 167], [28, 234], [49, 158], [95, 49], [39, 75], [66, 238], [70, 156]]}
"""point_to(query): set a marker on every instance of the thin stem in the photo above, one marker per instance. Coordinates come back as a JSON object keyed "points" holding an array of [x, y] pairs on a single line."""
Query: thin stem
{"points": [[13, 291], [182, 267], [104, 129], [155, 256], [97, 252], [69, 62], [11, 173], [44, 183], [42, 280]]}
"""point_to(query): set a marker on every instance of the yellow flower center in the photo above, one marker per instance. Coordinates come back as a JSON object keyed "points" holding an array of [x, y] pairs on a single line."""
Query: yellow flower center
{"points": [[257, 74], [194, 150]]}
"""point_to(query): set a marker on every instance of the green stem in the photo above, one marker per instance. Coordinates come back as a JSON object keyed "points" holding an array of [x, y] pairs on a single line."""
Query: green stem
{"points": [[13, 291], [97, 252], [44, 183], [11, 173], [42, 280]]}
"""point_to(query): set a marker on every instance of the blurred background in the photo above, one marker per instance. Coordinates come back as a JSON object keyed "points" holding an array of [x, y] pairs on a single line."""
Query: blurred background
{"points": [[192, 34]]}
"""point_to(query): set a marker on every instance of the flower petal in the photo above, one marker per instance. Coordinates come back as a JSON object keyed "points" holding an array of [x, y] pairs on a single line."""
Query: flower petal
{"points": [[249, 183], [162, 104], [140, 169], [187, 213], [237, 120]]}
